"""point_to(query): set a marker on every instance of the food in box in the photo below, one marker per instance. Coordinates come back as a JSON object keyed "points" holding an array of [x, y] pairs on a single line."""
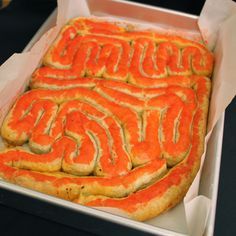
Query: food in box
{"points": [[115, 118]]}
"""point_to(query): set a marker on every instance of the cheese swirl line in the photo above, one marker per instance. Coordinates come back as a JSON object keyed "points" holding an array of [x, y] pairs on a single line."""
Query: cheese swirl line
{"points": [[116, 191], [172, 187], [13, 167], [120, 115], [127, 56]]}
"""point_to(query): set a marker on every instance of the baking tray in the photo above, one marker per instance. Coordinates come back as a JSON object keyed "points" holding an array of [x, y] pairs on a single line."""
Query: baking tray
{"points": [[82, 217]]}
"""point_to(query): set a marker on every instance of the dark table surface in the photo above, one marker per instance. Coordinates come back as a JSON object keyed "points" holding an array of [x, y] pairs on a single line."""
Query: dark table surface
{"points": [[18, 23]]}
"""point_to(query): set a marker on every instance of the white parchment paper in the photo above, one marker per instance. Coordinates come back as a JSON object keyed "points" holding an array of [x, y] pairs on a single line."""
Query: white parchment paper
{"points": [[217, 24]]}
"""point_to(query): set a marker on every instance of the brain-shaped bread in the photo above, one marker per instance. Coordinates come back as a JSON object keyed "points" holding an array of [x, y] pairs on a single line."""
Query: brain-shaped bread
{"points": [[114, 118]]}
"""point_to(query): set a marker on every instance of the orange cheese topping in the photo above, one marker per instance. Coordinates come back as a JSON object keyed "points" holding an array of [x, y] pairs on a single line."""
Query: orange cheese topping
{"points": [[109, 110]]}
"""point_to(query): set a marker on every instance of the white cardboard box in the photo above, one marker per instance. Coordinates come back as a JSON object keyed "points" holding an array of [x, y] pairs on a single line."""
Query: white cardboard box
{"points": [[210, 175]]}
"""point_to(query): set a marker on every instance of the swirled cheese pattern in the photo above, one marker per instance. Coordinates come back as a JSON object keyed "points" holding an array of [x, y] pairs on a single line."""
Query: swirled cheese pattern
{"points": [[115, 118]]}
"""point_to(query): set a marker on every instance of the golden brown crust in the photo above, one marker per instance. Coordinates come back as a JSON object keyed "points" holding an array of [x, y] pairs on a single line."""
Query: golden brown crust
{"points": [[109, 110]]}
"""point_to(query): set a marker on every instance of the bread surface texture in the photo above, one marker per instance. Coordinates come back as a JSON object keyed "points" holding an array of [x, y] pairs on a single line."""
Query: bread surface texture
{"points": [[114, 117]]}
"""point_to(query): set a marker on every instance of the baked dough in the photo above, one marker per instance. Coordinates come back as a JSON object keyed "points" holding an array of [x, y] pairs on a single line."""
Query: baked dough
{"points": [[114, 118]]}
